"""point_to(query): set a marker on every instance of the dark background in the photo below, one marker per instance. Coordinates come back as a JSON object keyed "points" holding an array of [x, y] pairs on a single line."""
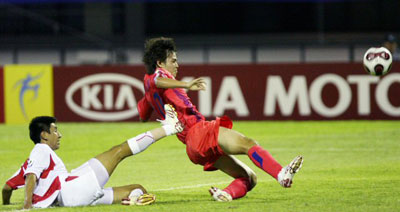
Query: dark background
{"points": [[120, 23]]}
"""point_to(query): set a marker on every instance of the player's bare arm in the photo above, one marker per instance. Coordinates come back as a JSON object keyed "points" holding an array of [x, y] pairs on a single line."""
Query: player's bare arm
{"points": [[7, 192], [194, 85], [30, 184]]}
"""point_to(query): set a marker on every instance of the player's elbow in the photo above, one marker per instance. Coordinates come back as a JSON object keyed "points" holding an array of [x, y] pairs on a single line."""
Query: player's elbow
{"points": [[142, 120], [6, 192], [6, 188]]}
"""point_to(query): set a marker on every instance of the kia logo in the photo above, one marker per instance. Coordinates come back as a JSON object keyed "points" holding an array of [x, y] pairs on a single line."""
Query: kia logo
{"points": [[91, 85]]}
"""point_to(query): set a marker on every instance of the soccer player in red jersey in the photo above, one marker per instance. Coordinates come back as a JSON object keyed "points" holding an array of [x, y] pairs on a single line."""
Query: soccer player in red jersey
{"points": [[211, 144]]}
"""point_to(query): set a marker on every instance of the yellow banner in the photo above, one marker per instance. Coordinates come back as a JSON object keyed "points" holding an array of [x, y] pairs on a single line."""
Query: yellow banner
{"points": [[28, 92]]}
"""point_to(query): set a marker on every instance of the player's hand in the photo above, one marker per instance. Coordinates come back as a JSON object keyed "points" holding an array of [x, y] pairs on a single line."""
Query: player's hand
{"points": [[27, 206], [196, 85]]}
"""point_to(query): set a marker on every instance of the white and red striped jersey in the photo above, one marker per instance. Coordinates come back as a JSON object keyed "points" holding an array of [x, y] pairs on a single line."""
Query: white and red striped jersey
{"points": [[50, 172]]}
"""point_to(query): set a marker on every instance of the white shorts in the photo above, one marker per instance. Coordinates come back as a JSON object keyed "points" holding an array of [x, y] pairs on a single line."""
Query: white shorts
{"points": [[82, 190]]}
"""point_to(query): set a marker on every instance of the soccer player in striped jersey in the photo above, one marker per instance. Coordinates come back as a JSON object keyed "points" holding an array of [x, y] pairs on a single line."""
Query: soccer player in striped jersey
{"points": [[48, 183], [211, 144]]}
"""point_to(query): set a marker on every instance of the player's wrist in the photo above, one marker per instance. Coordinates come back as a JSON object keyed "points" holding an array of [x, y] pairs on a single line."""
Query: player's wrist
{"points": [[186, 85], [27, 206]]}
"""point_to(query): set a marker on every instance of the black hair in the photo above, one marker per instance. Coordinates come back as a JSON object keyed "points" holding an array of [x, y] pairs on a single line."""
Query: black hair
{"points": [[157, 49], [38, 125]]}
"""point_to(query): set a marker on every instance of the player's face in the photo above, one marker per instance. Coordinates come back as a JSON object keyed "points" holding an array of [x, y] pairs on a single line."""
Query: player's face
{"points": [[171, 64], [53, 138]]}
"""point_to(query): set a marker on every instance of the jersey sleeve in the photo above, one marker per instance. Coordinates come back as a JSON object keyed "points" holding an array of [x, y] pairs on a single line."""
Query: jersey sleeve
{"points": [[145, 109], [39, 160], [17, 180], [178, 98]]}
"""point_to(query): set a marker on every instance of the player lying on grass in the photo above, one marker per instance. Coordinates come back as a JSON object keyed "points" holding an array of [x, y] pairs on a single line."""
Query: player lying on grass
{"points": [[48, 183], [208, 143]]}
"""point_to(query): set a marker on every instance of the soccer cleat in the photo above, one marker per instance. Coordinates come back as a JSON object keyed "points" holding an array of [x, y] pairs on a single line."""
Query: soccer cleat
{"points": [[144, 199], [171, 118], [220, 195], [286, 175]]}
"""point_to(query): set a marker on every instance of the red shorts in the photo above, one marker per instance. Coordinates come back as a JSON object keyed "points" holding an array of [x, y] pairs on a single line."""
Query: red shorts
{"points": [[202, 142]]}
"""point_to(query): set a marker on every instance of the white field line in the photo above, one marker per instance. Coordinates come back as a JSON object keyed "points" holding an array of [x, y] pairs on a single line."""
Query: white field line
{"points": [[191, 186], [195, 186]]}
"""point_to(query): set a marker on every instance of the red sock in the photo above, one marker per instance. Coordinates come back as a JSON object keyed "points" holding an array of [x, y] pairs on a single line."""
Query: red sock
{"points": [[264, 160], [238, 188]]}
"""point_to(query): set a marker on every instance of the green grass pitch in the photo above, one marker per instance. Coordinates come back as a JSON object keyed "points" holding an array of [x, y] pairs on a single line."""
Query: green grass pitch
{"points": [[349, 166]]}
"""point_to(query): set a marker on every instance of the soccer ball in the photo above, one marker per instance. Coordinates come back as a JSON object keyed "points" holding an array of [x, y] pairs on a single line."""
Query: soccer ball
{"points": [[377, 61]]}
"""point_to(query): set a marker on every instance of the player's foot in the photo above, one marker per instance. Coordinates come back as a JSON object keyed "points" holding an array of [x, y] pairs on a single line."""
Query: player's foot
{"points": [[220, 195], [286, 175], [144, 199], [171, 118]]}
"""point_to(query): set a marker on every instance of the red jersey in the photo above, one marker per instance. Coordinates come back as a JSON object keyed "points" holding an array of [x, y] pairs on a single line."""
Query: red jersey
{"points": [[155, 98]]}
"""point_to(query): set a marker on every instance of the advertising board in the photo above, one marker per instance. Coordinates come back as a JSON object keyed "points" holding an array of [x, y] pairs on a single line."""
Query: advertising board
{"points": [[243, 92]]}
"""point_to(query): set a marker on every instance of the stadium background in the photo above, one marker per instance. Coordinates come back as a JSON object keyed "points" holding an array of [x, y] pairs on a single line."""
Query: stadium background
{"points": [[81, 61], [284, 39]]}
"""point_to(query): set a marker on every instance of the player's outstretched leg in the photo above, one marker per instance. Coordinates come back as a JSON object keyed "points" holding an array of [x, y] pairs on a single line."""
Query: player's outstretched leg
{"points": [[111, 158], [245, 179], [233, 142]]}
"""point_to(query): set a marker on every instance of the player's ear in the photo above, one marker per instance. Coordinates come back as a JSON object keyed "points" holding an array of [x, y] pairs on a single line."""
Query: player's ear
{"points": [[159, 63], [43, 135]]}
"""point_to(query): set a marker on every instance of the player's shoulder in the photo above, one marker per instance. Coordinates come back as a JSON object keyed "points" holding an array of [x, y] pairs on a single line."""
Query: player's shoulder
{"points": [[163, 73], [41, 149], [159, 71], [40, 154], [154, 75]]}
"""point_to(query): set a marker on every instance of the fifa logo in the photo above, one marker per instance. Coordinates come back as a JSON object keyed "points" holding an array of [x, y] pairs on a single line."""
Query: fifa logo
{"points": [[26, 85]]}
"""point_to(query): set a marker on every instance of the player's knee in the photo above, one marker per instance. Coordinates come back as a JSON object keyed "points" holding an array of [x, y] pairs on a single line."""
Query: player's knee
{"points": [[253, 180], [248, 143]]}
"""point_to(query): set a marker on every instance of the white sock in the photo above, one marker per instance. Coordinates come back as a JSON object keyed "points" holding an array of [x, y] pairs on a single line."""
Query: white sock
{"points": [[136, 192], [107, 199], [169, 130], [140, 142], [280, 175]]}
